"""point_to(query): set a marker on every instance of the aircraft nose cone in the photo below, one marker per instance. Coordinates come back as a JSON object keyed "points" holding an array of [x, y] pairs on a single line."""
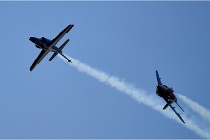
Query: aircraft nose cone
{"points": [[32, 39]]}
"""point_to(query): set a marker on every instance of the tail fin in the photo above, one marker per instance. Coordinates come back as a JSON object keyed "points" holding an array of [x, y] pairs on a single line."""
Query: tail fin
{"points": [[60, 49], [158, 78]]}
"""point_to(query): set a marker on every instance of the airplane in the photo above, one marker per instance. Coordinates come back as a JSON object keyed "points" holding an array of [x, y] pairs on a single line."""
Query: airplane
{"points": [[49, 45], [168, 95]]}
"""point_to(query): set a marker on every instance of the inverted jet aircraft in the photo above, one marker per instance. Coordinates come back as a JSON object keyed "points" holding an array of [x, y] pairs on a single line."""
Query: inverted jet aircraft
{"points": [[168, 95], [49, 45]]}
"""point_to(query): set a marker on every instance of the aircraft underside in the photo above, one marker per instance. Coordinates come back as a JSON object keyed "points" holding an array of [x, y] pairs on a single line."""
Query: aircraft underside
{"points": [[168, 95]]}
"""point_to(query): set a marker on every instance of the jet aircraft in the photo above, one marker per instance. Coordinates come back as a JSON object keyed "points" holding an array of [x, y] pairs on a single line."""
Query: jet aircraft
{"points": [[168, 95], [49, 45]]}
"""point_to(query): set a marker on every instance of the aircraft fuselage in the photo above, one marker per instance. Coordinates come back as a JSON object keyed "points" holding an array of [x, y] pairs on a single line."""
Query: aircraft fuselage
{"points": [[43, 43], [166, 93]]}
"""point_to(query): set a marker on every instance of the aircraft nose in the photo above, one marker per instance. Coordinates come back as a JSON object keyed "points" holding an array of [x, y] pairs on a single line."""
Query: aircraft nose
{"points": [[32, 39]]}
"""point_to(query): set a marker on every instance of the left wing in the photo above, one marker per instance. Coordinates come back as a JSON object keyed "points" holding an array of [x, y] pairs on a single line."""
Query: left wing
{"points": [[42, 54], [60, 35]]}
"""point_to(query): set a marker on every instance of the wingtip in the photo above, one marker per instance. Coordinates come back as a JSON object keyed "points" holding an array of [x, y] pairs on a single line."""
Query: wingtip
{"points": [[71, 25]]}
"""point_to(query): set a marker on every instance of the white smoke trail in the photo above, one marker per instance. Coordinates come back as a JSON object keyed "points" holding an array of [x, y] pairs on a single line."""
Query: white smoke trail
{"points": [[139, 95], [202, 111]]}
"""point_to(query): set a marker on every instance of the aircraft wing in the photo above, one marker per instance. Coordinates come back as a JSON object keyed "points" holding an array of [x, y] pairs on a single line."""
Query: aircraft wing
{"points": [[173, 108], [60, 35], [42, 54], [158, 78]]}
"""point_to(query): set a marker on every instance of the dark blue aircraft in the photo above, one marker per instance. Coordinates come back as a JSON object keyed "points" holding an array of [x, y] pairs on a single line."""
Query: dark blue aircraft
{"points": [[168, 95], [49, 45]]}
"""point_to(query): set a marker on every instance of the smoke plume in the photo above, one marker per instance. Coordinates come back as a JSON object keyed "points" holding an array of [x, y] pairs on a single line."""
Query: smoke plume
{"points": [[137, 94]]}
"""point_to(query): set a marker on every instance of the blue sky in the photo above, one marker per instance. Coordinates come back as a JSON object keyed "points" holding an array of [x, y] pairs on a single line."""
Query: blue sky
{"points": [[129, 40]]}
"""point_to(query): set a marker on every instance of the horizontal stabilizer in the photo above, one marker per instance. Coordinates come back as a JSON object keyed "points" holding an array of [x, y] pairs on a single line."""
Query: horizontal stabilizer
{"points": [[60, 49], [64, 44], [51, 58]]}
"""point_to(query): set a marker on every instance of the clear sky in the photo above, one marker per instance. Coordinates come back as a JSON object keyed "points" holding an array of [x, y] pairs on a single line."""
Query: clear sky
{"points": [[129, 40]]}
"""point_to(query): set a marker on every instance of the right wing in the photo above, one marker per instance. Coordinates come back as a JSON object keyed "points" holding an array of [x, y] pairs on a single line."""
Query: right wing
{"points": [[60, 35], [42, 54], [173, 108], [168, 103], [158, 78]]}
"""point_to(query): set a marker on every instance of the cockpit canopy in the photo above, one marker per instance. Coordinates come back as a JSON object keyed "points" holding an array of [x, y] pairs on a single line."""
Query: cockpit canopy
{"points": [[165, 86], [170, 89], [45, 39]]}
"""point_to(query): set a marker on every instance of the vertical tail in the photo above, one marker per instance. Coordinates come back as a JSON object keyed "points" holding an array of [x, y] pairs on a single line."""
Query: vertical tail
{"points": [[158, 78], [60, 49]]}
